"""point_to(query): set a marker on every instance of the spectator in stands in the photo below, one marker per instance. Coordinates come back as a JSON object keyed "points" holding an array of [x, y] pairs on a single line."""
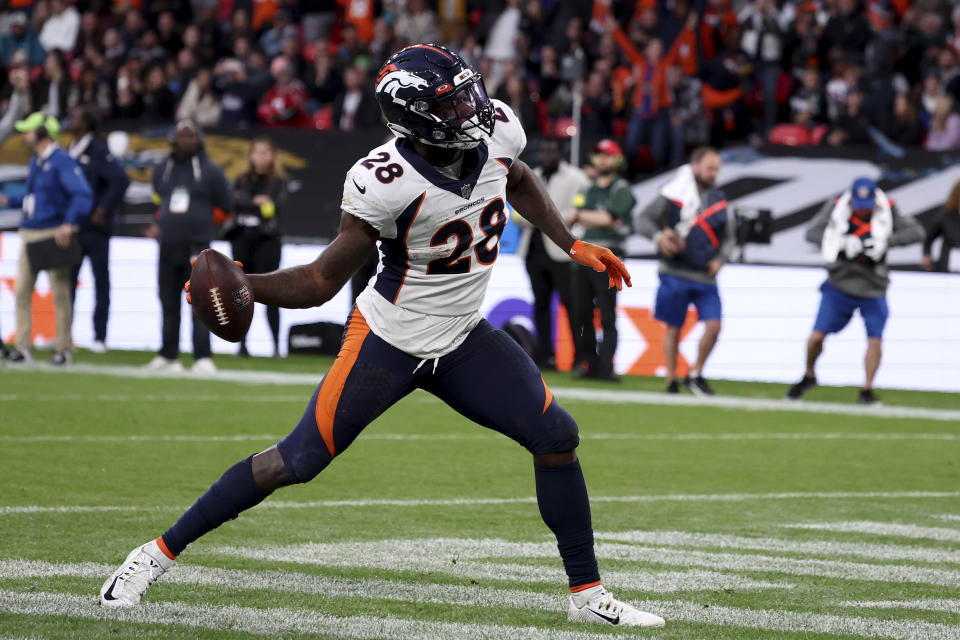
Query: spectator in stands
{"points": [[290, 50], [240, 26], [168, 35], [113, 47], [928, 98], [128, 104], [597, 118], [808, 98], [132, 29], [944, 132], [847, 30], [148, 48], [199, 102], [416, 23], [694, 233], [271, 42], [688, 127], [946, 224], [238, 95], [285, 104], [21, 36], [601, 215], [57, 201], [762, 40], [254, 231], [903, 126], [356, 108], [318, 18], [159, 103], [51, 91], [188, 189], [854, 234], [90, 90], [108, 180], [19, 103], [549, 266], [61, 28], [324, 81], [852, 126], [513, 92]]}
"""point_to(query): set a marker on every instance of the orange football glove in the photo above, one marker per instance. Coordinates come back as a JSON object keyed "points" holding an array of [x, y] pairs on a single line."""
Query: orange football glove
{"points": [[601, 259]]}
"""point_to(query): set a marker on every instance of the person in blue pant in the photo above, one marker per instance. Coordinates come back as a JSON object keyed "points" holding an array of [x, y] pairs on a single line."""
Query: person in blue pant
{"points": [[57, 201], [854, 233], [109, 182]]}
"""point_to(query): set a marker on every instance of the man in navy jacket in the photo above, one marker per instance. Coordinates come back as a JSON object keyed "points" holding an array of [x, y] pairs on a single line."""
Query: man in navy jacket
{"points": [[57, 201], [109, 182]]}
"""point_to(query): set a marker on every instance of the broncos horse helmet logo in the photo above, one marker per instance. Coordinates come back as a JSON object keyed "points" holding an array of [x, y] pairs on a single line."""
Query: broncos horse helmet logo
{"points": [[398, 79]]}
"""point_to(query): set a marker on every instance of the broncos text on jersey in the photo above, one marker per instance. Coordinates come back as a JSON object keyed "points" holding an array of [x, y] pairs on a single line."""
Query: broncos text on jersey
{"points": [[439, 236]]}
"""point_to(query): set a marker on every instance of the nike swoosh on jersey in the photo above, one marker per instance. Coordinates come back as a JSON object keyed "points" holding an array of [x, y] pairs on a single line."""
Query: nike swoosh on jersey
{"points": [[359, 188], [611, 619]]}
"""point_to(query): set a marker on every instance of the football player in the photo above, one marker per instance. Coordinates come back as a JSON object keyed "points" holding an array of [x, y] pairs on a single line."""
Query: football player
{"points": [[434, 197]]}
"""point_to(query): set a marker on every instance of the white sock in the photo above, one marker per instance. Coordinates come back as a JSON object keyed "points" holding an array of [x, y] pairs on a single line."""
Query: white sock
{"points": [[694, 373], [581, 598]]}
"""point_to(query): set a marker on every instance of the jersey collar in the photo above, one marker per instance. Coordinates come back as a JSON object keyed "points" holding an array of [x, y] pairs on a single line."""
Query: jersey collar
{"points": [[463, 188]]}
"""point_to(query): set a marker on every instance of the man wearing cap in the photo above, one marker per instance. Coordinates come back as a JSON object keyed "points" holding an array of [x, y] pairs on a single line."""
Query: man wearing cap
{"points": [[57, 201], [694, 233], [854, 233], [600, 215], [188, 188], [21, 38]]}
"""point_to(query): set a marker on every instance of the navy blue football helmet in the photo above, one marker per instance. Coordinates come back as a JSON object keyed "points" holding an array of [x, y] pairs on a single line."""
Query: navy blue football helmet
{"points": [[429, 94]]}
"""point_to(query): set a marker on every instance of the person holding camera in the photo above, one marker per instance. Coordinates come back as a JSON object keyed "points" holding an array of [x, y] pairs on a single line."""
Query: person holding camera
{"points": [[854, 234], [254, 232], [57, 201], [695, 233], [188, 189]]}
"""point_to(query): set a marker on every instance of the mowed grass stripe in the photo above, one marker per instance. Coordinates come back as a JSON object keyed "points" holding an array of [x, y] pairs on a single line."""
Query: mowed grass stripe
{"points": [[923, 604], [275, 621], [472, 555], [461, 502], [942, 534], [564, 393], [819, 547], [377, 589]]}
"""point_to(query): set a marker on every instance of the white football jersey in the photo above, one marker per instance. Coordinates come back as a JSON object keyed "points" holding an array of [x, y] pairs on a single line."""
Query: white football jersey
{"points": [[439, 237]]}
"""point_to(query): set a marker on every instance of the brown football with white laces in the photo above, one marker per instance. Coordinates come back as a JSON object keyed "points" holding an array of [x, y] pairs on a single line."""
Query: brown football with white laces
{"points": [[221, 295]]}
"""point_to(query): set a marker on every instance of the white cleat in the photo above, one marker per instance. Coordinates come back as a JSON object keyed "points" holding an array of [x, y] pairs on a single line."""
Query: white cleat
{"points": [[142, 568], [165, 365], [598, 606], [98, 347], [203, 366]]}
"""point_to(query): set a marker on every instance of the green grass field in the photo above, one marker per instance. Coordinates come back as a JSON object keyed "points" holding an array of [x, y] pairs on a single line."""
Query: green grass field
{"points": [[730, 522]]}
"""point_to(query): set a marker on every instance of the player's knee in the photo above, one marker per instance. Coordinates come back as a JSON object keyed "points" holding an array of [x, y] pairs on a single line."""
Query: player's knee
{"points": [[304, 452], [558, 432]]}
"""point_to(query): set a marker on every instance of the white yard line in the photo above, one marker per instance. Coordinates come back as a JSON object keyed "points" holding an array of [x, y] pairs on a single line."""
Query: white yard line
{"points": [[489, 435], [950, 517], [925, 604], [470, 558], [943, 534], [276, 621], [455, 502], [334, 586], [780, 545], [571, 393], [458, 502]]}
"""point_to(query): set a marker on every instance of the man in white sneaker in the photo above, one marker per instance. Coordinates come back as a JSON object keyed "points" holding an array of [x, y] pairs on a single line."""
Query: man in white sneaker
{"points": [[188, 188]]}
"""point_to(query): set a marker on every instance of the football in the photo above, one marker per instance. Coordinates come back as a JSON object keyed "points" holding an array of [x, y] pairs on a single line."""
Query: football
{"points": [[221, 295]]}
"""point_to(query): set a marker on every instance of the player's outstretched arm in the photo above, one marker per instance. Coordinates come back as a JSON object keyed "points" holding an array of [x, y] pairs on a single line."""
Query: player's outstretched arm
{"points": [[529, 197], [310, 285]]}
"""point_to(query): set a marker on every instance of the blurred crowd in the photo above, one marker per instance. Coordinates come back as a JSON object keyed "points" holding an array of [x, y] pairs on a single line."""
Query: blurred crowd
{"points": [[658, 76]]}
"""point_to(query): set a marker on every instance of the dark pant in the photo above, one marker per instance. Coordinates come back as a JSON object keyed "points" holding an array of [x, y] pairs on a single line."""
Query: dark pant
{"points": [[591, 290], [96, 246], [173, 271], [488, 379], [546, 276], [260, 253]]}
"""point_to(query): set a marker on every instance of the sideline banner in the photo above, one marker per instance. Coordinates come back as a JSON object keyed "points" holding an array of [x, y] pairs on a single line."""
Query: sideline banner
{"points": [[768, 314]]}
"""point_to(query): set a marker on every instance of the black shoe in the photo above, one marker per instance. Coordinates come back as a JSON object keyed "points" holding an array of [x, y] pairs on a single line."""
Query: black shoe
{"points": [[4, 353], [866, 397], [796, 391], [673, 387], [698, 386], [608, 377], [60, 359], [19, 357]]}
